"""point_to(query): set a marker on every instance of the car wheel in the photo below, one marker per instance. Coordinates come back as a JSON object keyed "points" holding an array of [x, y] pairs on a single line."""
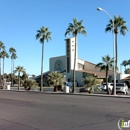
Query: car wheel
{"points": [[127, 93]]}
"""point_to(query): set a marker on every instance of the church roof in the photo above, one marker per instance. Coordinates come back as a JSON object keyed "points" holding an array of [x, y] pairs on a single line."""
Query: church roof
{"points": [[126, 78], [99, 74]]}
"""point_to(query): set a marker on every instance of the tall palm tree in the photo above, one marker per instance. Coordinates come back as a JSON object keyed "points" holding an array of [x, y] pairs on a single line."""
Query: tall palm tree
{"points": [[13, 57], [12, 51], [43, 34], [75, 28], [128, 63], [1, 47], [119, 25], [106, 64], [19, 69], [124, 63], [3, 55]]}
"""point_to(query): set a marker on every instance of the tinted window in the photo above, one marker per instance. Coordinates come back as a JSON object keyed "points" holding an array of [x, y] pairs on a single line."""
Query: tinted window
{"points": [[122, 85]]}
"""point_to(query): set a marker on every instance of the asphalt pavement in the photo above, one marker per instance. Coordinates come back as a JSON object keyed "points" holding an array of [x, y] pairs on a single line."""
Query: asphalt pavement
{"points": [[25, 110]]}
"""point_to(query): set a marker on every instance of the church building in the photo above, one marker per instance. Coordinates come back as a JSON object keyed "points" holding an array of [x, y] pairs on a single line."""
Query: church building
{"points": [[65, 64], [83, 68]]}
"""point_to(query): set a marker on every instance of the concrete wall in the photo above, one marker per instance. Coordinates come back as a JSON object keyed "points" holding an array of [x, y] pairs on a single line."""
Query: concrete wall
{"points": [[53, 61], [120, 76], [79, 78], [72, 50], [90, 66]]}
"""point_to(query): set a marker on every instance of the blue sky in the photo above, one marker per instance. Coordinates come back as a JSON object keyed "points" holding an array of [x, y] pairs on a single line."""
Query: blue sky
{"points": [[20, 19]]}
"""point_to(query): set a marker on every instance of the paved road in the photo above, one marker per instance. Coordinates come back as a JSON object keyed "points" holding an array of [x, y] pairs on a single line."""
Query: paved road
{"points": [[42, 111]]}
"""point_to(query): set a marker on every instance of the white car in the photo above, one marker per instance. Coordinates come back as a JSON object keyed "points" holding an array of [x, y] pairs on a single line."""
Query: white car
{"points": [[122, 88], [110, 86]]}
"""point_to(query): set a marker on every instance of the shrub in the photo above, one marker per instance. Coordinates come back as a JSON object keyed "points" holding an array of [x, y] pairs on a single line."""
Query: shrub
{"points": [[28, 84]]}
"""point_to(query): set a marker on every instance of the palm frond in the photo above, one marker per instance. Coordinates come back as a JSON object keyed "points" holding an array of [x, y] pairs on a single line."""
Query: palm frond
{"points": [[43, 34], [75, 27]]}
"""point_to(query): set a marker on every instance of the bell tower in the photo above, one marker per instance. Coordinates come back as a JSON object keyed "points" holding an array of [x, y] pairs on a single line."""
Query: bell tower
{"points": [[70, 49]]}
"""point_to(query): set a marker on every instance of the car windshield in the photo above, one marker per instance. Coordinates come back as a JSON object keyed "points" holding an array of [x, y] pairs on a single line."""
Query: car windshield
{"points": [[107, 84], [120, 85]]}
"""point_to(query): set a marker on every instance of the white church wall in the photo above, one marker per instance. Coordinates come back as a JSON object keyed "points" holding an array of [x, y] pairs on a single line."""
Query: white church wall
{"points": [[79, 78], [61, 60], [70, 47], [80, 61], [120, 76]]}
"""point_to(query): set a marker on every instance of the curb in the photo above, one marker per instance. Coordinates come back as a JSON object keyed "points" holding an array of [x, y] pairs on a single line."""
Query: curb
{"points": [[63, 93], [85, 94]]}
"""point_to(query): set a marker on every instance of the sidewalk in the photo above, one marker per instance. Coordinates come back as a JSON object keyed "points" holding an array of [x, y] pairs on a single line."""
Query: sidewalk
{"points": [[87, 94], [49, 90]]}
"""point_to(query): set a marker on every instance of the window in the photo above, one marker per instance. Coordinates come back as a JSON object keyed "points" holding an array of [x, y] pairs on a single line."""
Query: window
{"points": [[68, 41], [68, 64]]}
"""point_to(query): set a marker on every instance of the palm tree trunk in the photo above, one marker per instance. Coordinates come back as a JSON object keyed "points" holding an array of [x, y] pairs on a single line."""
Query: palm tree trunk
{"points": [[55, 88], [0, 71], [19, 80], [74, 75], [0, 68], [3, 74], [41, 88], [13, 74], [116, 49], [11, 71], [108, 92]]}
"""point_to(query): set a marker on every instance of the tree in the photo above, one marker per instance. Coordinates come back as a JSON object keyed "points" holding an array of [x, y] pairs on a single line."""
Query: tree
{"points": [[55, 78], [43, 34], [91, 83], [19, 69], [119, 25], [106, 64], [1, 47], [75, 28], [12, 52], [128, 63], [29, 83], [24, 76], [124, 63], [3, 55], [13, 55], [127, 71]]}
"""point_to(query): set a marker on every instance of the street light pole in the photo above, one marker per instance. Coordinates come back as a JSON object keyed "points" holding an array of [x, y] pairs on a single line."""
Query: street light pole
{"points": [[100, 9]]}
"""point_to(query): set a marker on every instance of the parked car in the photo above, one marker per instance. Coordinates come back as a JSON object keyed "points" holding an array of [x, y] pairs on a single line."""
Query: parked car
{"points": [[70, 84], [99, 88], [84, 89], [110, 86], [122, 88], [59, 87]]}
